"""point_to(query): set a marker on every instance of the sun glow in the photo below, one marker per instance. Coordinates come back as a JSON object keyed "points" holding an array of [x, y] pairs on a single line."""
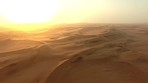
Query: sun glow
{"points": [[29, 11], [26, 15]]}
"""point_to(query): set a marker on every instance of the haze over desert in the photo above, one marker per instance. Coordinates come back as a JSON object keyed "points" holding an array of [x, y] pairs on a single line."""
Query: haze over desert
{"points": [[73, 41]]}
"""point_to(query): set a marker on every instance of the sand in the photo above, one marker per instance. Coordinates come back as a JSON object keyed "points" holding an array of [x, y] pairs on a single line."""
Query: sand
{"points": [[76, 53], [117, 54]]}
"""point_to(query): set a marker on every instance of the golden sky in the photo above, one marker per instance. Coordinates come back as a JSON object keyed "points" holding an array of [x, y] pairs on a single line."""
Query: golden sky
{"points": [[31, 14]]}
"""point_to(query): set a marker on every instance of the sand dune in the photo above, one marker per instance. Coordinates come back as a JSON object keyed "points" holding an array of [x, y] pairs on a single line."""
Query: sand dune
{"points": [[118, 55], [82, 53], [29, 65]]}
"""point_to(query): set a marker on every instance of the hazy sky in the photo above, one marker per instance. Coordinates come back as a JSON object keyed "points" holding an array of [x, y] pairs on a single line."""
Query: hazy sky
{"points": [[83, 11], [106, 11]]}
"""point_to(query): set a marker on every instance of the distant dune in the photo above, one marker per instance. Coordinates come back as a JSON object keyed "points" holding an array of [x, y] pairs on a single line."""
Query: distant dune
{"points": [[82, 53]]}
